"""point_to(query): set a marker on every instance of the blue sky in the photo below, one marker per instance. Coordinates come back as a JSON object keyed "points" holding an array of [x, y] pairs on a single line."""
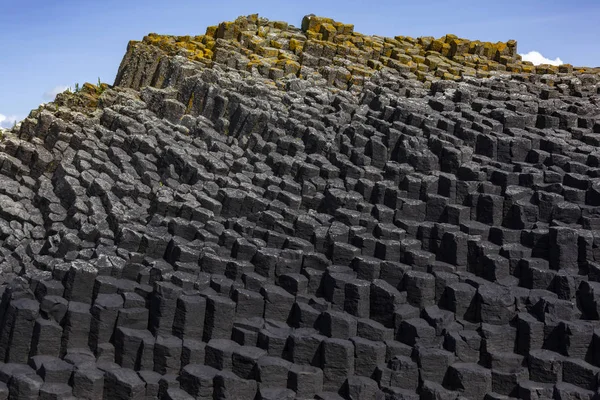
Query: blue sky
{"points": [[47, 45]]}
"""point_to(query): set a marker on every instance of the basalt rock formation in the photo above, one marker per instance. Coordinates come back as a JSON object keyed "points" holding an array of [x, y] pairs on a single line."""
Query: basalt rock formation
{"points": [[272, 212]]}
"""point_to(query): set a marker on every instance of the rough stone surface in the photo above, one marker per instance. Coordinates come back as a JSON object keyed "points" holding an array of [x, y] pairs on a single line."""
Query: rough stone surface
{"points": [[272, 212]]}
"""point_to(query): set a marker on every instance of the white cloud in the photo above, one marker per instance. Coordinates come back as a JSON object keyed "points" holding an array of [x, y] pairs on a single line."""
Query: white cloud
{"points": [[51, 94], [537, 58], [8, 121]]}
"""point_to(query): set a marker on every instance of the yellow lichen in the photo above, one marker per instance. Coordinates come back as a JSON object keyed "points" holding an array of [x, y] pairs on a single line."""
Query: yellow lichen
{"points": [[273, 50], [190, 104], [210, 31]]}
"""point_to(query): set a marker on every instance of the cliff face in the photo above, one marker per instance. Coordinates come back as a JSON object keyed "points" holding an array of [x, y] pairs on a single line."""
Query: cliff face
{"points": [[271, 212]]}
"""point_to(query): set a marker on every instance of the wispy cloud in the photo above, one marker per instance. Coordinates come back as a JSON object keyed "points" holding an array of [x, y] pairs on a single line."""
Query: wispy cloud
{"points": [[537, 58], [51, 94], [8, 121]]}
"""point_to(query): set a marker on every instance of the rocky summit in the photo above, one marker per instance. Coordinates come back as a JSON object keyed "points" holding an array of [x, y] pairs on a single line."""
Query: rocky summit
{"points": [[272, 212]]}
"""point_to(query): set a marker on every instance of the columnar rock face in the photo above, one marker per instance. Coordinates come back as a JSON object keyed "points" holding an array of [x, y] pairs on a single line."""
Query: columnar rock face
{"points": [[271, 212]]}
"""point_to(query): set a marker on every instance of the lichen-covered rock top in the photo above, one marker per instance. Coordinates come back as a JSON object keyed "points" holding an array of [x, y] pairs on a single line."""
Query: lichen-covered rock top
{"points": [[326, 48]]}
